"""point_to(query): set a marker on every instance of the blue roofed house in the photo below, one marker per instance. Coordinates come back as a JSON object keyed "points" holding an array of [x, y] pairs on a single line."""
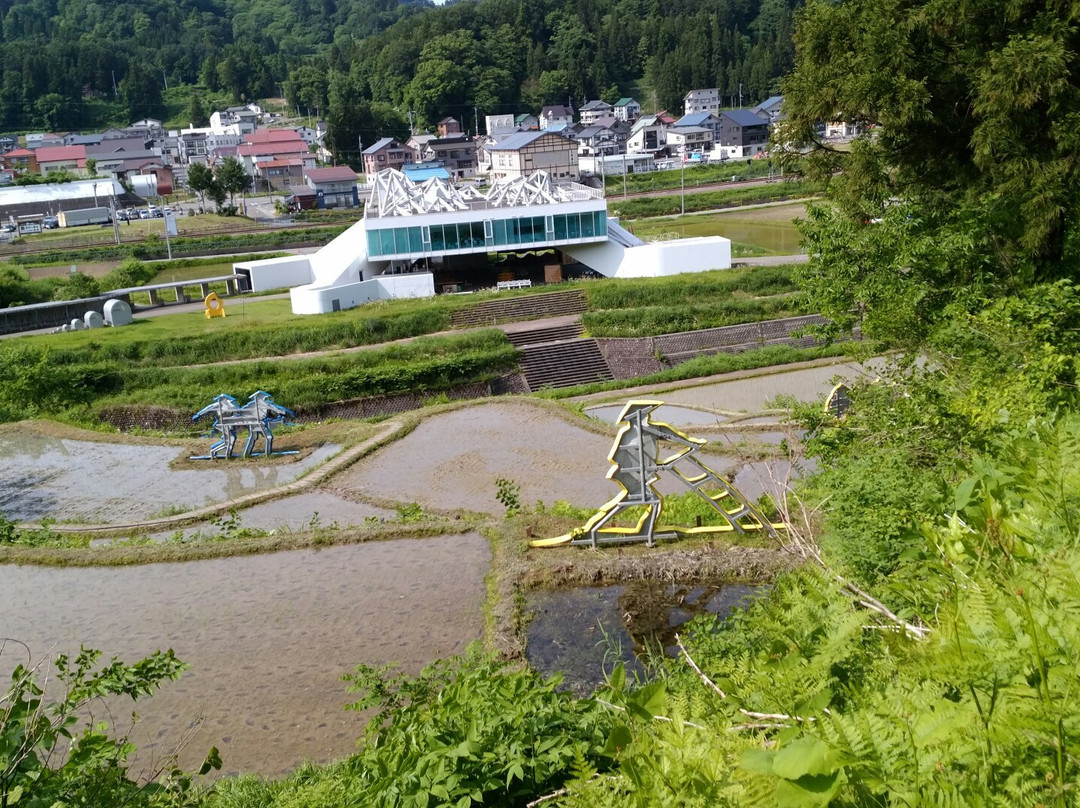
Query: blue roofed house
{"points": [[703, 120], [743, 133], [771, 108]]}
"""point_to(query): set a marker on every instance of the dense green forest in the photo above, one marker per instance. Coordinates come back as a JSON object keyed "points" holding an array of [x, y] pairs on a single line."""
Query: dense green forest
{"points": [[76, 63]]}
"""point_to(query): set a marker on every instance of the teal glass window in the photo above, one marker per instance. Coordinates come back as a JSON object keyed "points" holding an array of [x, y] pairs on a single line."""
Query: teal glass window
{"points": [[601, 223], [373, 247], [387, 238], [416, 241], [560, 227], [500, 232], [401, 239], [573, 229], [437, 241]]}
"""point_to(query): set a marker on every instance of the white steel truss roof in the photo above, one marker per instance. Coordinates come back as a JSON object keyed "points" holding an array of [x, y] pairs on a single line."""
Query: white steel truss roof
{"points": [[394, 194]]}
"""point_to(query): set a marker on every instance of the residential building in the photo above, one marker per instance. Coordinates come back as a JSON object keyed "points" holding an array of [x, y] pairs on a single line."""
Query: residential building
{"points": [[236, 120], [448, 126], [386, 153], [23, 161], [526, 122], [8, 143], [333, 187], [312, 137], [521, 154], [842, 130], [626, 110], [707, 100], [744, 130], [38, 139], [274, 173], [705, 120], [687, 140], [556, 114], [617, 164], [499, 124], [647, 136], [457, 154], [597, 140], [593, 110], [71, 159], [418, 141], [290, 158], [772, 108], [192, 147]]}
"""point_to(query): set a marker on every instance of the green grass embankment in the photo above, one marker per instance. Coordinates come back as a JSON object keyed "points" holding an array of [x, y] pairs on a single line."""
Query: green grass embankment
{"points": [[645, 307], [675, 203]]}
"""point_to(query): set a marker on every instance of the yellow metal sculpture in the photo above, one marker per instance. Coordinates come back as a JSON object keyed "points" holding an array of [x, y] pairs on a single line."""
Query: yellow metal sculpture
{"points": [[636, 465], [215, 306]]}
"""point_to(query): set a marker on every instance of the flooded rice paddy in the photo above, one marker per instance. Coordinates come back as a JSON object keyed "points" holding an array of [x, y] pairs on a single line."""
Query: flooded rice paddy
{"points": [[267, 637], [584, 632], [42, 476]]}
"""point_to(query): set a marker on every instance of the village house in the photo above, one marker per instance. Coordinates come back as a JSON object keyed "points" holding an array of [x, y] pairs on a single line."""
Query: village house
{"points": [[525, 152], [556, 114], [332, 187], [707, 100], [626, 110], [456, 154], [744, 131], [448, 126], [386, 153], [647, 135], [593, 111]]}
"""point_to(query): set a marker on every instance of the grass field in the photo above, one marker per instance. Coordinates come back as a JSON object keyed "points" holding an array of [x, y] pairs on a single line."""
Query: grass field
{"points": [[768, 230]]}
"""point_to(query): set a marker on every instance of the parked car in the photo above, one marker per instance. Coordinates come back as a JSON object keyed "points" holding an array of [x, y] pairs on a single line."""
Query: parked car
{"points": [[50, 223], [8, 228]]}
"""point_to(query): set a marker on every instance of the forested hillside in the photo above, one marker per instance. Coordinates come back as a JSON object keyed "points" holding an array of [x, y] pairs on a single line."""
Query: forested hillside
{"points": [[76, 63]]}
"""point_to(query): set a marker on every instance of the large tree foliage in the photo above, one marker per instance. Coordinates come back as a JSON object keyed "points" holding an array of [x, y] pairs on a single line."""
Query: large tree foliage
{"points": [[971, 145]]}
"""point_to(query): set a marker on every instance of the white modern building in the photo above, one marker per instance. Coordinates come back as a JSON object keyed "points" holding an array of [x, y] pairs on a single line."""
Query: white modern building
{"points": [[411, 230]]}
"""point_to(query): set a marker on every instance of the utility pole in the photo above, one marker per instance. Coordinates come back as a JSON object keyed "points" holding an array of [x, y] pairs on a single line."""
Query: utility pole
{"points": [[412, 131], [624, 175], [682, 184], [740, 95], [114, 91], [475, 122], [165, 79]]}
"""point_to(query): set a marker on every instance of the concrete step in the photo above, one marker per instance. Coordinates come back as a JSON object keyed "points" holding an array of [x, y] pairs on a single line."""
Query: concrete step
{"points": [[539, 336], [563, 364], [526, 307]]}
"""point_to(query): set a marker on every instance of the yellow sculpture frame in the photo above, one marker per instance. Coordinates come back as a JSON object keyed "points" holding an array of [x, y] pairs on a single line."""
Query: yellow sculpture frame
{"points": [[636, 465]]}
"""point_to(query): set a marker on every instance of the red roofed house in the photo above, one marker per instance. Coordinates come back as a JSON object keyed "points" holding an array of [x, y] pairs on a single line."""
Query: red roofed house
{"points": [[280, 173], [294, 151], [61, 158], [23, 160], [272, 136], [333, 187]]}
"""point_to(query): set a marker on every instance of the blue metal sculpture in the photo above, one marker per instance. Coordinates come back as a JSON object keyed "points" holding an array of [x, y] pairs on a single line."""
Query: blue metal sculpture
{"points": [[258, 417]]}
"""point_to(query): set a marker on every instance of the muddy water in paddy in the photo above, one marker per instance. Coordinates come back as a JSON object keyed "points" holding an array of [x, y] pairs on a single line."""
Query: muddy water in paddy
{"points": [[452, 460], [267, 636], [43, 476]]}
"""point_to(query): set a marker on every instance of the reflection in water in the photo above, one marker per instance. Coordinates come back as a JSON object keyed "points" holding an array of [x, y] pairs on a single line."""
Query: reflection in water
{"points": [[583, 631], [267, 637], [115, 482]]}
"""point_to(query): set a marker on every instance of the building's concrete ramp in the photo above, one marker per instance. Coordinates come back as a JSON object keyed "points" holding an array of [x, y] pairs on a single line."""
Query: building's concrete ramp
{"points": [[624, 255]]}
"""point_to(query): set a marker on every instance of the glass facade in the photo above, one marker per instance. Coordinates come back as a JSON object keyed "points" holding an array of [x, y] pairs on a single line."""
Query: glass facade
{"points": [[492, 235]]}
